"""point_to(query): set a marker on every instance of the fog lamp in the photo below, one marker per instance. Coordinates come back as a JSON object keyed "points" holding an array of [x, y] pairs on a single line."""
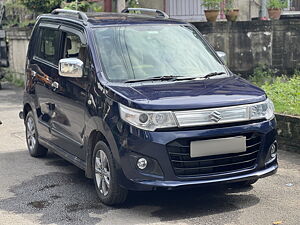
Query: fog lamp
{"points": [[142, 163], [273, 149]]}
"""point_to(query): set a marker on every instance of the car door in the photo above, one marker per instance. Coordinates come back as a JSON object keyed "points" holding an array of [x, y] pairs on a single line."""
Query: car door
{"points": [[41, 67], [70, 96]]}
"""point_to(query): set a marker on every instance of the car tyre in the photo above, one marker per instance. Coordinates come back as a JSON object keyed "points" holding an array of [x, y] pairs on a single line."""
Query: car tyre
{"points": [[34, 147], [105, 176]]}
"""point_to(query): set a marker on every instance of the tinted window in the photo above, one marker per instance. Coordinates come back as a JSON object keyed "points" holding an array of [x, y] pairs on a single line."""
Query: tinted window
{"points": [[47, 49]]}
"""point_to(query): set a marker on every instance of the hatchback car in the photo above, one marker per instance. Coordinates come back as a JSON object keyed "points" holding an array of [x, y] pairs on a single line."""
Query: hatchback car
{"points": [[141, 102]]}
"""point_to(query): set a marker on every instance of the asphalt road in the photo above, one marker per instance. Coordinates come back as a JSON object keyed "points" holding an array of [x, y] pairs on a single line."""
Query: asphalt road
{"points": [[52, 191]]}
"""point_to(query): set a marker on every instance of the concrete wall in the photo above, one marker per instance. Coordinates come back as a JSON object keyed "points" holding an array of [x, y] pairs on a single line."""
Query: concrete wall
{"points": [[288, 132], [18, 39], [248, 9], [249, 44]]}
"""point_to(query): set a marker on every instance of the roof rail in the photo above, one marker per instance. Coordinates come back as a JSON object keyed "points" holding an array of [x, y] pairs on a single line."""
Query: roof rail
{"points": [[81, 15], [157, 11]]}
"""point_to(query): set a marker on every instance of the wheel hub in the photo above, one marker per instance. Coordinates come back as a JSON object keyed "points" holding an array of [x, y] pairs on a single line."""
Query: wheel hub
{"points": [[30, 134], [102, 172]]}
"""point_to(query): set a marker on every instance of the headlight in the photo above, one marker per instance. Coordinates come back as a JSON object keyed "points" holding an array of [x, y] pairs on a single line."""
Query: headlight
{"points": [[262, 110], [152, 120], [147, 120]]}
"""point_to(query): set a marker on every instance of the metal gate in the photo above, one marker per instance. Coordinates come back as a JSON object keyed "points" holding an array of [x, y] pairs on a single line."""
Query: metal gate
{"points": [[190, 10], [295, 4], [3, 49]]}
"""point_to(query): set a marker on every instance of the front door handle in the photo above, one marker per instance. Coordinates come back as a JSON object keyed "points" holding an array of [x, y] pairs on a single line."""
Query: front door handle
{"points": [[55, 85]]}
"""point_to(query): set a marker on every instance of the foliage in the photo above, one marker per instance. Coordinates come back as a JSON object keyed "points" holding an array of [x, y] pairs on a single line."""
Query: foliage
{"points": [[81, 6], [95, 7], [277, 4], [282, 90], [212, 4], [229, 5], [41, 6], [262, 75], [12, 78], [16, 14], [133, 4]]}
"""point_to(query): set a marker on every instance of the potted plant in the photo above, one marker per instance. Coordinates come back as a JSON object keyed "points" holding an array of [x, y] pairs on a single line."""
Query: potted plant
{"points": [[212, 9], [231, 13], [275, 7]]}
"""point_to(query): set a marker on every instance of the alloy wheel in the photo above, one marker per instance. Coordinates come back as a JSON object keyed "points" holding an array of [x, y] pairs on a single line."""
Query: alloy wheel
{"points": [[102, 172], [30, 134]]}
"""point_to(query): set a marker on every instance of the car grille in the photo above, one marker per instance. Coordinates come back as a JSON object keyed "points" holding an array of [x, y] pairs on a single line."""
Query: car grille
{"points": [[184, 165]]}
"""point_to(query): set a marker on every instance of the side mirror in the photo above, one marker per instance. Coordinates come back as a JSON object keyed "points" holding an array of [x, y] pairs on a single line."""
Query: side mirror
{"points": [[70, 67], [223, 56]]}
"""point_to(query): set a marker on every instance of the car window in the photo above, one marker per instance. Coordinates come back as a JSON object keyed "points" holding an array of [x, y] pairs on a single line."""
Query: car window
{"points": [[48, 49], [141, 52], [74, 48], [72, 45]]}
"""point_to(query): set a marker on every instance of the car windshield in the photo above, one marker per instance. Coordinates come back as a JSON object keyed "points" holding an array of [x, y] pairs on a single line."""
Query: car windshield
{"points": [[148, 51]]}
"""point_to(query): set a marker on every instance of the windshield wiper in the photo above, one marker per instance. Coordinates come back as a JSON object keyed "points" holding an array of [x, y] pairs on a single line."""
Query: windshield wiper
{"points": [[159, 78], [213, 74], [174, 78]]}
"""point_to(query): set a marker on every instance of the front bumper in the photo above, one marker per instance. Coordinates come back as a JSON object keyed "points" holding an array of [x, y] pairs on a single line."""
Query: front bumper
{"points": [[175, 184], [134, 143]]}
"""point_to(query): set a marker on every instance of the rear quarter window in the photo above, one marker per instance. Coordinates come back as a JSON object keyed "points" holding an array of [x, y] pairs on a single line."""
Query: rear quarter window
{"points": [[47, 49]]}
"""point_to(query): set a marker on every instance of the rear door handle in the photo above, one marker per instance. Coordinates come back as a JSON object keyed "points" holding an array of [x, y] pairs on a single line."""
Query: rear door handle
{"points": [[55, 85]]}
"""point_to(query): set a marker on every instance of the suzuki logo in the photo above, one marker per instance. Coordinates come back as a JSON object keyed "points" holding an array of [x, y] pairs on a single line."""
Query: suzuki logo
{"points": [[215, 116]]}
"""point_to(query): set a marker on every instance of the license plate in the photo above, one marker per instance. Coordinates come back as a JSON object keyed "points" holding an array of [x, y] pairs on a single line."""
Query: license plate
{"points": [[218, 146]]}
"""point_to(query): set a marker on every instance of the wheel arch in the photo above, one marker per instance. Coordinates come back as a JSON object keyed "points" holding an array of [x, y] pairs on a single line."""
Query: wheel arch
{"points": [[26, 109], [101, 132]]}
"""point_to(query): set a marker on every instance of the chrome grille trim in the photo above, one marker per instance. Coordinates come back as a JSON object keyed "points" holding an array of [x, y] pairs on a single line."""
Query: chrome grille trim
{"points": [[190, 118]]}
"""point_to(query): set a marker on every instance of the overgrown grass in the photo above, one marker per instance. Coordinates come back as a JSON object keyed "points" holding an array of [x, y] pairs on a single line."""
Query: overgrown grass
{"points": [[284, 91], [12, 78]]}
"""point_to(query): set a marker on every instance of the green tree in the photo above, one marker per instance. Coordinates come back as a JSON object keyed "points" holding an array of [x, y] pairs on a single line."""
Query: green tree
{"points": [[41, 6]]}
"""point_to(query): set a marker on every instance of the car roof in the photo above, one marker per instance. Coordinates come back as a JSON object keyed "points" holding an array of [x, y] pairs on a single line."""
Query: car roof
{"points": [[106, 19], [129, 18]]}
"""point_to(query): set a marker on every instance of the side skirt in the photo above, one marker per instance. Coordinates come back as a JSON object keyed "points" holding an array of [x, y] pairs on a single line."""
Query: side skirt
{"points": [[62, 153]]}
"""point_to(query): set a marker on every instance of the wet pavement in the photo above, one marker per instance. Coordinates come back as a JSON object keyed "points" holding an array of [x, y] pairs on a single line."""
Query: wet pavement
{"points": [[53, 191]]}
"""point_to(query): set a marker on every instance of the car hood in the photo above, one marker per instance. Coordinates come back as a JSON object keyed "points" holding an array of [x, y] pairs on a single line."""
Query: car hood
{"points": [[196, 94]]}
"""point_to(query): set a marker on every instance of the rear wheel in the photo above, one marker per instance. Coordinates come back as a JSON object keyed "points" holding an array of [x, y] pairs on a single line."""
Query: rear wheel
{"points": [[34, 147], [105, 176]]}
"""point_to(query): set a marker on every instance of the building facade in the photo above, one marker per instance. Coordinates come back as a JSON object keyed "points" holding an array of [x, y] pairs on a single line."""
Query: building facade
{"points": [[192, 10]]}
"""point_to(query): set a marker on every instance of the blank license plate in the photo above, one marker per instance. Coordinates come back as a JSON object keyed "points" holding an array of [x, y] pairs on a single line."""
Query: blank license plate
{"points": [[218, 146]]}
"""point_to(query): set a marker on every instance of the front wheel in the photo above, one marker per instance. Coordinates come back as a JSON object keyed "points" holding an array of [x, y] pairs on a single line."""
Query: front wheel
{"points": [[105, 176], [34, 147]]}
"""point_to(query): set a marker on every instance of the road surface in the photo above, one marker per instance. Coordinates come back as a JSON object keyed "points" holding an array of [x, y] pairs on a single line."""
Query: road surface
{"points": [[53, 191]]}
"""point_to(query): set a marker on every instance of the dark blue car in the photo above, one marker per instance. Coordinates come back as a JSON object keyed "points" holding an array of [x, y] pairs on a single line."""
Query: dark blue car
{"points": [[140, 102]]}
